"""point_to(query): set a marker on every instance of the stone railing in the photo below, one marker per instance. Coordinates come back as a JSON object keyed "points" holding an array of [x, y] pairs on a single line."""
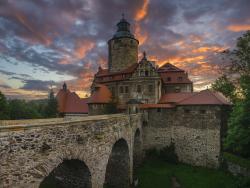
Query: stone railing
{"points": [[12, 125], [29, 121]]}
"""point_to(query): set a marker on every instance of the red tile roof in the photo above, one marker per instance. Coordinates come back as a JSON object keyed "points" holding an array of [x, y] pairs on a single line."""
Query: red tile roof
{"points": [[105, 72], [101, 94], [205, 97], [174, 97], [104, 76], [168, 67], [70, 102]]}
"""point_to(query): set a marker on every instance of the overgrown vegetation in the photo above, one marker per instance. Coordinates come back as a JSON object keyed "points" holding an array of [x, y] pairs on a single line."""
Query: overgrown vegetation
{"points": [[166, 154], [158, 174], [20, 109], [236, 160], [235, 84]]}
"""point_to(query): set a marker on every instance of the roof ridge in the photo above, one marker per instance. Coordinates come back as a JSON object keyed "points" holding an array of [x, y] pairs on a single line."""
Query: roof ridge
{"points": [[216, 96], [195, 93]]}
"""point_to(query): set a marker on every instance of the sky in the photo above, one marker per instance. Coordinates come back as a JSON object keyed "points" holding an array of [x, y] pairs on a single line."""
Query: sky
{"points": [[44, 43]]}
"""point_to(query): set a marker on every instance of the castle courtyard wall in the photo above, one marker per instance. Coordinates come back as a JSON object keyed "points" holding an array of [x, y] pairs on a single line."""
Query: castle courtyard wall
{"points": [[195, 131]]}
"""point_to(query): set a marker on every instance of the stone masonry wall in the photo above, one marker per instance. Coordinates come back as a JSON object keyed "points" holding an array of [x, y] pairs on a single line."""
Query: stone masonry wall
{"points": [[30, 152], [195, 131]]}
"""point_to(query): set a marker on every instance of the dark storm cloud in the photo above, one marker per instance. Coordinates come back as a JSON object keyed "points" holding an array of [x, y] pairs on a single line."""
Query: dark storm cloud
{"points": [[38, 85]]}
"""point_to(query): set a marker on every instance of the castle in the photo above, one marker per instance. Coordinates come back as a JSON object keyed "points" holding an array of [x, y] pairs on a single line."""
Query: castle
{"points": [[157, 107], [172, 113], [126, 79]]}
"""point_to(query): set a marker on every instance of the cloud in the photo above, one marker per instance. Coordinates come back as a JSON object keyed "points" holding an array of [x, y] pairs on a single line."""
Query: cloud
{"points": [[69, 37], [238, 28]]}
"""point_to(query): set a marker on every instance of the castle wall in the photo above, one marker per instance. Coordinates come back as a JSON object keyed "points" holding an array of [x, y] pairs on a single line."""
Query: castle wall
{"points": [[195, 131], [172, 88]]}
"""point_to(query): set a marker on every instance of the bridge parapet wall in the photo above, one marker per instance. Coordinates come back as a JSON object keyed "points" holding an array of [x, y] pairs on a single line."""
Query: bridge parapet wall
{"points": [[29, 152]]}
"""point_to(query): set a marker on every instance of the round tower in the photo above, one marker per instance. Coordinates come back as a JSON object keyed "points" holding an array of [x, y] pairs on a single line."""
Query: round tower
{"points": [[123, 48]]}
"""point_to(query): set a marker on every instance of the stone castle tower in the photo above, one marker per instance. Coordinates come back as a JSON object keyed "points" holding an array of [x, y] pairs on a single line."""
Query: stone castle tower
{"points": [[123, 48]]}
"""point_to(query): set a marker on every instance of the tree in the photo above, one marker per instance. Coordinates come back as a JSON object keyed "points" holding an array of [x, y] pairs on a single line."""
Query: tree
{"points": [[4, 109], [51, 110], [238, 135], [226, 87]]}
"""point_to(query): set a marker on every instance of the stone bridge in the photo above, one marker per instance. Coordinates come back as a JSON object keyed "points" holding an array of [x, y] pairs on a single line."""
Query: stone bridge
{"points": [[90, 152]]}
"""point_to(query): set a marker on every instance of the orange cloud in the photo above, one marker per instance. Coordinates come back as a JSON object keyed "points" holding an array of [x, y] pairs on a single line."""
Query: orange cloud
{"points": [[207, 49], [142, 12], [24, 21], [238, 27], [83, 47], [142, 36]]}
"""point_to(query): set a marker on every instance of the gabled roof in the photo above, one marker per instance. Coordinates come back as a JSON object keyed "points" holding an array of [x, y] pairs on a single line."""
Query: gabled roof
{"points": [[174, 97], [70, 102], [168, 67], [205, 97], [105, 72], [101, 95]]}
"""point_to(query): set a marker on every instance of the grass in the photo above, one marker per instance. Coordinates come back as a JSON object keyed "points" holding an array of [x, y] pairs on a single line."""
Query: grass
{"points": [[237, 160], [157, 174]]}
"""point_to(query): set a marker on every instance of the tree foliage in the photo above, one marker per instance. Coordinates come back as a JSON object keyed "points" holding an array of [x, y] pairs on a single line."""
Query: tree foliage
{"points": [[238, 135], [52, 106], [226, 87], [20, 109], [4, 109]]}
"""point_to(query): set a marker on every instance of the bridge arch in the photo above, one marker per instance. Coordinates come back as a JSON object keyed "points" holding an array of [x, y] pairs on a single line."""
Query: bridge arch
{"points": [[68, 174], [118, 167]]}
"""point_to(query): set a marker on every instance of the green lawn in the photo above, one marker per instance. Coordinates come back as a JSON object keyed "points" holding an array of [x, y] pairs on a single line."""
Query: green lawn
{"points": [[157, 174]]}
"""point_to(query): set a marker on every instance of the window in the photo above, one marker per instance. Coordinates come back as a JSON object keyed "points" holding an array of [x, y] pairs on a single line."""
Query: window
{"points": [[146, 73], [169, 79], [142, 73], [121, 89], [113, 91], [180, 78], [202, 111], [158, 109], [177, 89], [139, 88], [150, 88], [126, 89], [187, 111]]}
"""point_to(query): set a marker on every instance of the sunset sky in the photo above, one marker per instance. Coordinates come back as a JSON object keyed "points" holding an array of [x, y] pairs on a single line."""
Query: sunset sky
{"points": [[47, 42]]}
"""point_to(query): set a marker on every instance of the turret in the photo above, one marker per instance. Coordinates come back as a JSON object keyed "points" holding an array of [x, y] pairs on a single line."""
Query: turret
{"points": [[123, 48]]}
